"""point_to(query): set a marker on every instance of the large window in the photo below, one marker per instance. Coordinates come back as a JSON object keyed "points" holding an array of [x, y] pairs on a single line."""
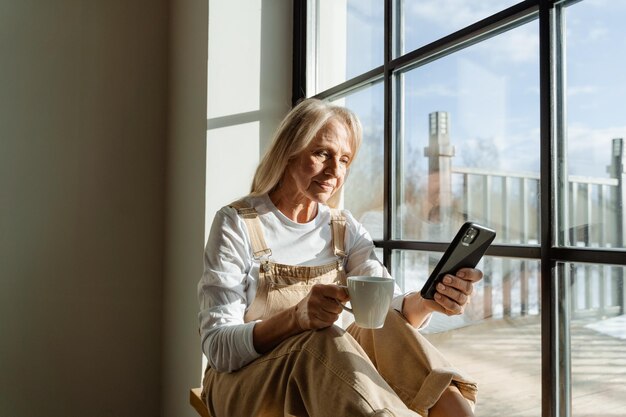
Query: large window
{"points": [[509, 114]]}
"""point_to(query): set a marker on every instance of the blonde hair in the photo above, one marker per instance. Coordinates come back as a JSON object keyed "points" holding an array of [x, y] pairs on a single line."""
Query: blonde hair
{"points": [[295, 133]]}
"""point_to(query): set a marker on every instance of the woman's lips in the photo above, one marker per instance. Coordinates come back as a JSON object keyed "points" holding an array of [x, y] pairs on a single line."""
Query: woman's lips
{"points": [[325, 185]]}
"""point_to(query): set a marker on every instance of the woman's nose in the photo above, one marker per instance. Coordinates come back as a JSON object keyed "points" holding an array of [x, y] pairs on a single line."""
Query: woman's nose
{"points": [[332, 168]]}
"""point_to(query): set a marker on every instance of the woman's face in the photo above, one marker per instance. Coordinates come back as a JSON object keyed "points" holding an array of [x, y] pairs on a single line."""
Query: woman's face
{"points": [[320, 170]]}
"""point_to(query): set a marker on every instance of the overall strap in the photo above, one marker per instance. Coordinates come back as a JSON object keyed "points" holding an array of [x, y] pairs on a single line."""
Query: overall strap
{"points": [[255, 230], [338, 230]]}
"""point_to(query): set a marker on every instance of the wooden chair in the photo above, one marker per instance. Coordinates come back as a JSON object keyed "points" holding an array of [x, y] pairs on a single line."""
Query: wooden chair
{"points": [[197, 403]]}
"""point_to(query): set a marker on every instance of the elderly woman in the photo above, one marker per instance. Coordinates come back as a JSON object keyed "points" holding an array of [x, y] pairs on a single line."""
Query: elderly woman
{"points": [[270, 295]]}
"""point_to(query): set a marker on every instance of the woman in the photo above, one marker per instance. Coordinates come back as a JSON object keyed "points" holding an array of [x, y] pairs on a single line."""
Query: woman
{"points": [[269, 296]]}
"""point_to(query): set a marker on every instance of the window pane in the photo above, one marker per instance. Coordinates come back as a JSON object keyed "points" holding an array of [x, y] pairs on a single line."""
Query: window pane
{"points": [[598, 340], [499, 333], [469, 141], [349, 40], [363, 190], [596, 124], [424, 21]]}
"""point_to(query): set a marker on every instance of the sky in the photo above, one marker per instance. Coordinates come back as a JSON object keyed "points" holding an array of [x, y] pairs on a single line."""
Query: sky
{"points": [[491, 89]]}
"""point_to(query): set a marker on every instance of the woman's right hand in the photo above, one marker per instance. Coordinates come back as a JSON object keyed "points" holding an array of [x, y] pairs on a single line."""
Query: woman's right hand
{"points": [[321, 307]]}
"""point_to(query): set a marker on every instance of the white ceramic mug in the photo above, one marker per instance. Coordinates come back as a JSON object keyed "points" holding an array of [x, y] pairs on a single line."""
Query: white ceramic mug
{"points": [[370, 298]]}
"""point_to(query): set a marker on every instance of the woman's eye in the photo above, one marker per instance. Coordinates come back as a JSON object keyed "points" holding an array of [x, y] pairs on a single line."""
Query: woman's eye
{"points": [[323, 154]]}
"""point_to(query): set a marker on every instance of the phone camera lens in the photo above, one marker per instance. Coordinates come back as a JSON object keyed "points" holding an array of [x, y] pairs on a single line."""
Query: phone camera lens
{"points": [[470, 235]]}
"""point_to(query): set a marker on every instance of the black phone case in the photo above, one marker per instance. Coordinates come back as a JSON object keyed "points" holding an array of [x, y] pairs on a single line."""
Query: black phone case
{"points": [[459, 255]]}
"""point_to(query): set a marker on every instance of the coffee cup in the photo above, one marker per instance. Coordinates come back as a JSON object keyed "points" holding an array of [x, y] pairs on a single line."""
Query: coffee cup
{"points": [[370, 298]]}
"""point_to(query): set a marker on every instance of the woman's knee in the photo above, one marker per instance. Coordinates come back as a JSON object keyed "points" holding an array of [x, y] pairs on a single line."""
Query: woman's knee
{"points": [[333, 343], [451, 403], [329, 336]]}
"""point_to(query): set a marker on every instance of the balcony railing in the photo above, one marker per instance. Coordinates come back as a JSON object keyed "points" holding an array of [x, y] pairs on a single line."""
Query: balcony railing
{"points": [[509, 202]]}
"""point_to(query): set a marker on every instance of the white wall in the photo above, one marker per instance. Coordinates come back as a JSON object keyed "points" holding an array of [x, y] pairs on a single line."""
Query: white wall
{"points": [[249, 90], [83, 110]]}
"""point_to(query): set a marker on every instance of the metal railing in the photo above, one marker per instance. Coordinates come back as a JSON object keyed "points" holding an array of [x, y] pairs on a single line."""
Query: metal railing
{"points": [[509, 202]]}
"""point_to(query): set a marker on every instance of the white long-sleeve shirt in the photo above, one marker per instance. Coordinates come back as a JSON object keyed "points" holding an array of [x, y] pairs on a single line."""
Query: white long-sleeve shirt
{"points": [[229, 283]]}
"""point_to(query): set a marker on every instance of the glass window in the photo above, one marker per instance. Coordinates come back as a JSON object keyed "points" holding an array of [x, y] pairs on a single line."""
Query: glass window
{"points": [[469, 141], [597, 333], [424, 21], [363, 190], [349, 40], [595, 117], [479, 123]]}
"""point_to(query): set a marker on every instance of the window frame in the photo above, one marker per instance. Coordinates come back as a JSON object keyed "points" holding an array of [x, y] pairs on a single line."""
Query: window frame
{"points": [[556, 389]]}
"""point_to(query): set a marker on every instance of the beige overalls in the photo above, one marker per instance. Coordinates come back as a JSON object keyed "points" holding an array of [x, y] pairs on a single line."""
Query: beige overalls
{"points": [[393, 371]]}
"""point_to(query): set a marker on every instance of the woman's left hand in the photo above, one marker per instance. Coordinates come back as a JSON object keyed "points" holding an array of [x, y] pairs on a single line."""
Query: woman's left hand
{"points": [[454, 291]]}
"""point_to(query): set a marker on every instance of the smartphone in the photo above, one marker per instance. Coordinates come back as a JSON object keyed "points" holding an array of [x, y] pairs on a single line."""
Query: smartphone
{"points": [[465, 251]]}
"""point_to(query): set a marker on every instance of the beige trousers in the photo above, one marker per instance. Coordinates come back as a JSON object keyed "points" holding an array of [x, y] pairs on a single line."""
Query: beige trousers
{"points": [[393, 371]]}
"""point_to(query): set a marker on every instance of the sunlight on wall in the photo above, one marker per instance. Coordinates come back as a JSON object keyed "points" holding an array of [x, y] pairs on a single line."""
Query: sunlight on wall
{"points": [[233, 103], [232, 156], [234, 74]]}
